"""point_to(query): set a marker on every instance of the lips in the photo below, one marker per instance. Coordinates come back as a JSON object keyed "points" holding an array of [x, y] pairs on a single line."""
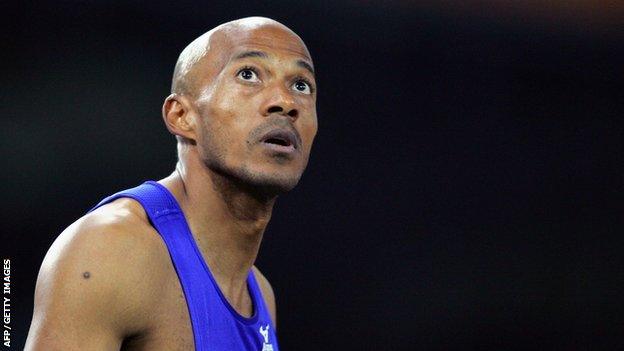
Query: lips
{"points": [[281, 139]]}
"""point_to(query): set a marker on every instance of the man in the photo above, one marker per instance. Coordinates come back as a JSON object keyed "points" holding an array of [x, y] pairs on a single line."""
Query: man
{"points": [[169, 265]]}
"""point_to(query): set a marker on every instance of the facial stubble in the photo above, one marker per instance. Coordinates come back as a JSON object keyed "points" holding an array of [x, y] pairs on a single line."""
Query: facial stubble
{"points": [[261, 183]]}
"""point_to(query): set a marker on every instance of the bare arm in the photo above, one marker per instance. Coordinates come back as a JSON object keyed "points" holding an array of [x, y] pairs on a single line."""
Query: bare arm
{"points": [[83, 299]]}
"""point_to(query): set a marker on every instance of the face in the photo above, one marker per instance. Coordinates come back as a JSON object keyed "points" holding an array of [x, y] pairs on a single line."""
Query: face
{"points": [[256, 103]]}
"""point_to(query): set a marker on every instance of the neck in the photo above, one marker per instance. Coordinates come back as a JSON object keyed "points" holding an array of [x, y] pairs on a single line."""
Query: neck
{"points": [[226, 220]]}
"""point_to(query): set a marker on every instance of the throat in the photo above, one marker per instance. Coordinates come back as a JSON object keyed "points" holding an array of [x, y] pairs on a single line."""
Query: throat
{"points": [[227, 223]]}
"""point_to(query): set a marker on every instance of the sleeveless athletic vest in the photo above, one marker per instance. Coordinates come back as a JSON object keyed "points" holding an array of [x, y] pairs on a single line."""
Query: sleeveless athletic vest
{"points": [[216, 325]]}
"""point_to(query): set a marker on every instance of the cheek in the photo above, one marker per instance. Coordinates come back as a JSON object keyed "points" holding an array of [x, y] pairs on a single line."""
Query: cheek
{"points": [[226, 128], [233, 107], [308, 131]]}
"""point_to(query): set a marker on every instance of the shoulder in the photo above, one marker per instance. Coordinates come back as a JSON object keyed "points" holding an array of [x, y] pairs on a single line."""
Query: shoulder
{"points": [[267, 293], [101, 270], [116, 240]]}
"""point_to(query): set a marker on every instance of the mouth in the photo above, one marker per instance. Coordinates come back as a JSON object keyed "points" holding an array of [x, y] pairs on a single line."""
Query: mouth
{"points": [[281, 140]]}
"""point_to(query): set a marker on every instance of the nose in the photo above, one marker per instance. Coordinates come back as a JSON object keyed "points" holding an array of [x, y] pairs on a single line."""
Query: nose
{"points": [[280, 102]]}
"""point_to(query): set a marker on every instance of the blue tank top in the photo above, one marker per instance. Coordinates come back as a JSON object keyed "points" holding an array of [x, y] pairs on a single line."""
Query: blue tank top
{"points": [[216, 325]]}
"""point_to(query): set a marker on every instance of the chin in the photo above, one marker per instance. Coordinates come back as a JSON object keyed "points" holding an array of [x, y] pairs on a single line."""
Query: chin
{"points": [[274, 183], [265, 183], [264, 179]]}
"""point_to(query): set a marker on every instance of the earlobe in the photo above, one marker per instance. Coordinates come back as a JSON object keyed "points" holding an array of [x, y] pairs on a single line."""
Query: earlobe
{"points": [[177, 116]]}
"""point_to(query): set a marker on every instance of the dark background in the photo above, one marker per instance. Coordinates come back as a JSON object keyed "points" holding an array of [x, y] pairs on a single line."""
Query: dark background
{"points": [[464, 190]]}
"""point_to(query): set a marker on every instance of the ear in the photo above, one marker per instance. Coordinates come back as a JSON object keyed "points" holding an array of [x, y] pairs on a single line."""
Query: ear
{"points": [[178, 116]]}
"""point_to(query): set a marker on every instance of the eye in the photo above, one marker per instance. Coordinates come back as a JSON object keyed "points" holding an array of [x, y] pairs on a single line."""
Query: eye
{"points": [[302, 86], [248, 74]]}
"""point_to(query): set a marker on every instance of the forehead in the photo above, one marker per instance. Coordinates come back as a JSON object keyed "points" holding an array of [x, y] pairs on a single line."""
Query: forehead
{"points": [[269, 38]]}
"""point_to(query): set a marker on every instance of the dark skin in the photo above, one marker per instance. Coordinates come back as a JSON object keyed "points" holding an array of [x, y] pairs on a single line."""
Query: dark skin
{"points": [[107, 283]]}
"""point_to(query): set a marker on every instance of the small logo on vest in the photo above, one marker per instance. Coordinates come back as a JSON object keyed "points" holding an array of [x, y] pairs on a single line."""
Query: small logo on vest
{"points": [[265, 334]]}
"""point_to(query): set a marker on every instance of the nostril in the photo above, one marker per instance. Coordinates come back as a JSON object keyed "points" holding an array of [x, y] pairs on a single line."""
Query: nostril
{"points": [[274, 109], [293, 113]]}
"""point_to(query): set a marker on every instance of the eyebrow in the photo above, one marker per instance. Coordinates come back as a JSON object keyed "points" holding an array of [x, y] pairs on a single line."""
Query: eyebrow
{"points": [[246, 54], [302, 63], [261, 54]]}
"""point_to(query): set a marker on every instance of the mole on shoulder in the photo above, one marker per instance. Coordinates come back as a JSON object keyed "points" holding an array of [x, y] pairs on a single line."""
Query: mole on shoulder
{"points": [[86, 275]]}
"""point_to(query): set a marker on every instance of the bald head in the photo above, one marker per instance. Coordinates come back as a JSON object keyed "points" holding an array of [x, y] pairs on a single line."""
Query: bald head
{"points": [[214, 47]]}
